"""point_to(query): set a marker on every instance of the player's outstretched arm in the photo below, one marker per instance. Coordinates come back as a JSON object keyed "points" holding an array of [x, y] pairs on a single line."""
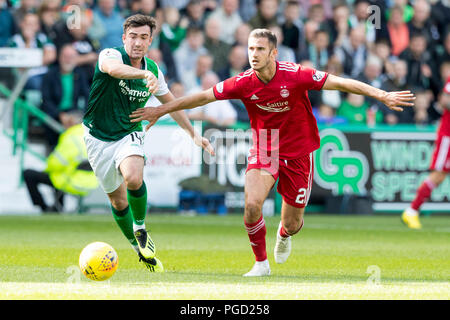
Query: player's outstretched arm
{"points": [[183, 121], [394, 100], [119, 70], [187, 102]]}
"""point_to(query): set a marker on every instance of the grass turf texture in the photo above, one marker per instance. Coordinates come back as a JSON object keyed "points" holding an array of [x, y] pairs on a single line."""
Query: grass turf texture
{"points": [[205, 257]]}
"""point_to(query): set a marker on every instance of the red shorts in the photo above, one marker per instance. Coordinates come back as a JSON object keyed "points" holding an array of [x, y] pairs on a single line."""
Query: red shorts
{"points": [[295, 176], [441, 155]]}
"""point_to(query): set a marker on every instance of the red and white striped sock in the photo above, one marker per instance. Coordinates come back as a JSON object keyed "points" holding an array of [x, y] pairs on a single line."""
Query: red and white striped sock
{"points": [[423, 194], [257, 235]]}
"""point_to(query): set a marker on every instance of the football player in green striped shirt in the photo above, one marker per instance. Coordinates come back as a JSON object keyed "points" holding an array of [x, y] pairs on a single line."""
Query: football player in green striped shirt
{"points": [[124, 80]]}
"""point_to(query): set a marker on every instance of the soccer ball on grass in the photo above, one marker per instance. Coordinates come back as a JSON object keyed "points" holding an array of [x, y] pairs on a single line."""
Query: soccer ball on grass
{"points": [[98, 261]]}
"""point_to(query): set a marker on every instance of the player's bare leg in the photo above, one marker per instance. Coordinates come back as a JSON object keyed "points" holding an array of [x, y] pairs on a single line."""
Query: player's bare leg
{"points": [[291, 223], [258, 184], [132, 169], [118, 198]]}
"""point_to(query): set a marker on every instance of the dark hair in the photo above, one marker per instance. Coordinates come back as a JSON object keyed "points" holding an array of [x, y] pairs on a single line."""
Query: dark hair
{"points": [[193, 30], [382, 41], [139, 20], [292, 3], [397, 7], [418, 34], [265, 33], [321, 30], [339, 3]]}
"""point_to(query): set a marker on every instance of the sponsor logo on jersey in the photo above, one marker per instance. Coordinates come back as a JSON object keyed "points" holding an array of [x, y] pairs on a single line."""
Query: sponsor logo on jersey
{"points": [[254, 97], [131, 92], [447, 88], [275, 107], [219, 87], [318, 75], [284, 92]]}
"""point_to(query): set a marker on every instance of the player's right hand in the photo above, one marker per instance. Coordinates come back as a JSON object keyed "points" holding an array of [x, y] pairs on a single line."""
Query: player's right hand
{"points": [[152, 82], [396, 100], [148, 113]]}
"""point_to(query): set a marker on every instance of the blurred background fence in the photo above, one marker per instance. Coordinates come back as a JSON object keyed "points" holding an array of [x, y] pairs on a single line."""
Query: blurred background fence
{"points": [[371, 159]]}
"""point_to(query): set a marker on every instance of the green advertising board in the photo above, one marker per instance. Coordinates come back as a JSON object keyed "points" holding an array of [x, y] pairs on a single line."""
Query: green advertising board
{"points": [[384, 164]]}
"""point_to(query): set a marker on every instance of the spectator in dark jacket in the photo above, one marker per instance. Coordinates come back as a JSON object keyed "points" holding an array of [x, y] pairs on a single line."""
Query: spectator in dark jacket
{"points": [[442, 53], [65, 88], [421, 23], [353, 52], [338, 26], [266, 15], [81, 41], [422, 71], [7, 26], [397, 82], [320, 51], [237, 63], [440, 11], [292, 27], [7, 29], [216, 47]]}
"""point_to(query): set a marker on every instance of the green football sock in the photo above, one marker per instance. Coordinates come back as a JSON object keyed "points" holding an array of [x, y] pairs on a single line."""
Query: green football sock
{"points": [[125, 223], [137, 200]]}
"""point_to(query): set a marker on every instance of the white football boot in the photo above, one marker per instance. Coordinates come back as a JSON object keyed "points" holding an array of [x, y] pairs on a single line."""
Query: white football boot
{"points": [[282, 248], [260, 269]]}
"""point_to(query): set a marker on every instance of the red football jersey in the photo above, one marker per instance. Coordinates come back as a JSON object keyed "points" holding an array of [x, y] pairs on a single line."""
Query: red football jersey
{"points": [[280, 112], [444, 127]]}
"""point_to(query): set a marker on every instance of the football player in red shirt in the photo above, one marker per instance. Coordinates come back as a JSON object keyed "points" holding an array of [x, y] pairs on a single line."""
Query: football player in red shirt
{"points": [[285, 134], [440, 163]]}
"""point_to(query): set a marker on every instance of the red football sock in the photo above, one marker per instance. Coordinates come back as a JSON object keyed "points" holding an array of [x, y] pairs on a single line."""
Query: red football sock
{"points": [[257, 235], [423, 194], [285, 234]]}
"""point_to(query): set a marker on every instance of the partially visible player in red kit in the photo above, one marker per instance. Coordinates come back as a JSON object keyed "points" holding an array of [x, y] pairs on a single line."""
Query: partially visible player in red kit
{"points": [[285, 134], [440, 163]]}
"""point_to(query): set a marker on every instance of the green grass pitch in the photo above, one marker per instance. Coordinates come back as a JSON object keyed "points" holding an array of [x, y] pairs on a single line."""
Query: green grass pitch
{"points": [[333, 257]]}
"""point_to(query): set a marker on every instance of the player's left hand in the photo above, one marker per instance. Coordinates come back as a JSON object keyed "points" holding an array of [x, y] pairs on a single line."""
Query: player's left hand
{"points": [[205, 144], [395, 100]]}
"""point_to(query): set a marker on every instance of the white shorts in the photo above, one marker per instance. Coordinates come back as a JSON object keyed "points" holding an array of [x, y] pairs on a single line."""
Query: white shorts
{"points": [[106, 157]]}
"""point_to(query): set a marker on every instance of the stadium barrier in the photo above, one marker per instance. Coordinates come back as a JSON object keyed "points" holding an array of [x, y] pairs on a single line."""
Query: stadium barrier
{"points": [[18, 132], [358, 169], [15, 116], [383, 164]]}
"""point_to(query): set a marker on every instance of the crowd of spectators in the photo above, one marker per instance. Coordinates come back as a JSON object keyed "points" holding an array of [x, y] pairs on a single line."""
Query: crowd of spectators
{"points": [[389, 44]]}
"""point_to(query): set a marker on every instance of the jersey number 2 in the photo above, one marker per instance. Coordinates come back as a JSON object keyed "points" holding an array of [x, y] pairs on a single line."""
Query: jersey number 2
{"points": [[301, 197]]}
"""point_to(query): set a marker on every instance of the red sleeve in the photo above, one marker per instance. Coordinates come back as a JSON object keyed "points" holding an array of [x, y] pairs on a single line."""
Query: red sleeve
{"points": [[227, 89], [311, 79]]}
